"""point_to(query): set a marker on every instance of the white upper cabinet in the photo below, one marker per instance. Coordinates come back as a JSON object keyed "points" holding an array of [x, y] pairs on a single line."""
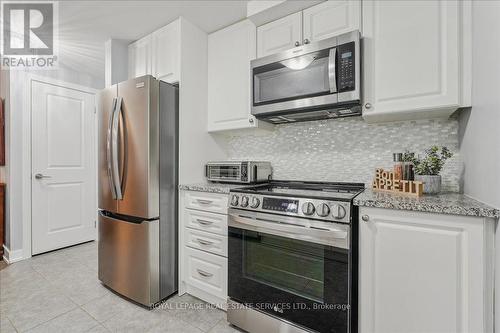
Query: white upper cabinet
{"points": [[331, 18], [166, 53], [279, 35], [413, 58], [157, 54], [139, 57], [422, 272], [230, 51]]}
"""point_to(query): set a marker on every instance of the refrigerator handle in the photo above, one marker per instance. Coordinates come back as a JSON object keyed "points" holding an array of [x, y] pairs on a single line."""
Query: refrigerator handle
{"points": [[123, 149], [109, 156], [114, 150]]}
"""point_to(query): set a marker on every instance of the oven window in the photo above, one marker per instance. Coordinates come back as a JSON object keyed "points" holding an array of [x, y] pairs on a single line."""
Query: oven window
{"points": [[286, 264], [224, 172], [303, 76]]}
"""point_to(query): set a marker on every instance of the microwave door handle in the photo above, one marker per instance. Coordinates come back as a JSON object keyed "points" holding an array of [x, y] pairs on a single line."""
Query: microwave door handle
{"points": [[332, 70], [109, 156]]}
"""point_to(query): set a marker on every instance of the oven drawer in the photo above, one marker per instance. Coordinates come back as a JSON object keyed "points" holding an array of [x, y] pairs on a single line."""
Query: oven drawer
{"points": [[210, 202], [206, 221], [205, 241], [206, 271]]}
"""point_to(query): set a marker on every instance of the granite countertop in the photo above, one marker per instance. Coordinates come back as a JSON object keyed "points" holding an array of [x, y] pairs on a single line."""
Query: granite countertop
{"points": [[445, 203], [210, 187]]}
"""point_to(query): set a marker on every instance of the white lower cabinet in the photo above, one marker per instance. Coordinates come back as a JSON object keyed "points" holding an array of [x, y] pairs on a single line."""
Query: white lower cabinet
{"points": [[203, 246], [422, 272], [206, 272]]}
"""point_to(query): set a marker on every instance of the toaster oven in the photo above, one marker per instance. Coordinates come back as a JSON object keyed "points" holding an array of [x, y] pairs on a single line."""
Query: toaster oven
{"points": [[243, 172]]}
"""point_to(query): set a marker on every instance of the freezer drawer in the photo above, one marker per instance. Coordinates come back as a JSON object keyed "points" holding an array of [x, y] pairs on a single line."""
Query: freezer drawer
{"points": [[129, 258]]}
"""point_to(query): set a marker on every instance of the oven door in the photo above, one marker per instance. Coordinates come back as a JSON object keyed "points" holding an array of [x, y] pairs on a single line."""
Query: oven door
{"points": [[292, 268]]}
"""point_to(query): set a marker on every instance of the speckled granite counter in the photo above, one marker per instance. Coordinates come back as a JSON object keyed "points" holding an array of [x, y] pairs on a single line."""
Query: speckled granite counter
{"points": [[209, 187], [446, 203]]}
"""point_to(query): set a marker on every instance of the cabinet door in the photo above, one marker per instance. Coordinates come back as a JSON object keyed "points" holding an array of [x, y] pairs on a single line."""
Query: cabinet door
{"points": [[331, 18], [166, 53], [229, 53], [421, 272], [139, 57], [279, 35], [411, 58]]}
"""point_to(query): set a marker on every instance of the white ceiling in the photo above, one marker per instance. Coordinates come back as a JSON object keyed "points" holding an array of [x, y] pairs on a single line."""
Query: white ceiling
{"points": [[84, 26]]}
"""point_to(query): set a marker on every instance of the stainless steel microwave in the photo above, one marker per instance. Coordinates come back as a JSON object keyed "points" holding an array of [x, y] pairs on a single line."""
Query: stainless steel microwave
{"points": [[313, 81], [241, 172]]}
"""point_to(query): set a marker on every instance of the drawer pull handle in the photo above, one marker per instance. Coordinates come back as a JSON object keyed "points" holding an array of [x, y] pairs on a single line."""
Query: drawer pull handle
{"points": [[204, 202], [204, 242], [204, 222], [203, 273]]}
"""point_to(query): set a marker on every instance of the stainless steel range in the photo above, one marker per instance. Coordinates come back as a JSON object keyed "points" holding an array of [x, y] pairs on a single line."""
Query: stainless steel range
{"points": [[292, 260]]}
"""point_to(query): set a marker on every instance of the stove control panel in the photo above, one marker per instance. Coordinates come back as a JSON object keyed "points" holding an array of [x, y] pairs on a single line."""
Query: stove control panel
{"points": [[328, 210]]}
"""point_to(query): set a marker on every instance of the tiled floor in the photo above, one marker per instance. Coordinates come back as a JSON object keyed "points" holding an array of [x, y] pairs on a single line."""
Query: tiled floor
{"points": [[60, 292]]}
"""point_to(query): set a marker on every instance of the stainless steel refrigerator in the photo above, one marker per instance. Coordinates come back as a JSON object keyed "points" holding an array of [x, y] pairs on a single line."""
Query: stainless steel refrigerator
{"points": [[138, 176]]}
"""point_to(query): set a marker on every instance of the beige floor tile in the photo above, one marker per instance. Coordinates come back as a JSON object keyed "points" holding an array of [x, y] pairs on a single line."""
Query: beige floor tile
{"points": [[98, 329], [135, 319], [6, 325], [74, 321], [108, 306], [193, 311], [174, 325], [224, 327], [34, 303]]}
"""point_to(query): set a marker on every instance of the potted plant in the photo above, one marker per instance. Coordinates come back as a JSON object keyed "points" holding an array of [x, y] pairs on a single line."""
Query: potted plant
{"points": [[427, 169]]}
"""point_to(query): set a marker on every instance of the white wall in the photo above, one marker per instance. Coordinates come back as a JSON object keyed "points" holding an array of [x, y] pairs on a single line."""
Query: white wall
{"points": [[116, 61], [5, 94], [480, 127], [195, 144]]}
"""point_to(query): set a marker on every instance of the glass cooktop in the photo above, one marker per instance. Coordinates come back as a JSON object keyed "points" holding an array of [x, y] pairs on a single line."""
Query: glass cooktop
{"points": [[306, 189]]}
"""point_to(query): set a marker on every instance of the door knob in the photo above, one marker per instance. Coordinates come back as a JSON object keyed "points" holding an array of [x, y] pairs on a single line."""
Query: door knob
{"points": [[40, 176], [297, 43], [306, 41]]}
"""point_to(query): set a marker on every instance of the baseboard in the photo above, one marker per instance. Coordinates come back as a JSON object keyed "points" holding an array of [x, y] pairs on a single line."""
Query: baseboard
{"points": [[12, 256]]}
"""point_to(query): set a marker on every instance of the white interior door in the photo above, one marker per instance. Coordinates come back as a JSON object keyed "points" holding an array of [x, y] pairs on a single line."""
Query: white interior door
{"points": [[63, 167]]}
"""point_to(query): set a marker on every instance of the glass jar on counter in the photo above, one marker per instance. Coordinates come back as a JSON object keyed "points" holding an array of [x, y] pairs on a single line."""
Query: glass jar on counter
{"points": [[398, 166], [408, 166]]}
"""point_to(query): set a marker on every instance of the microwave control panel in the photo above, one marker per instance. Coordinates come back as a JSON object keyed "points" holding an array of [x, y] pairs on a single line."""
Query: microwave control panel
{"points": [[346, 69]]}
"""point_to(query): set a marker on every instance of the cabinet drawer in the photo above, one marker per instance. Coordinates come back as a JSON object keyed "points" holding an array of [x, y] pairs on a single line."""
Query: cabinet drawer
{"points": [[205, 241], [210, 202], [206, 221], [206, 271]]}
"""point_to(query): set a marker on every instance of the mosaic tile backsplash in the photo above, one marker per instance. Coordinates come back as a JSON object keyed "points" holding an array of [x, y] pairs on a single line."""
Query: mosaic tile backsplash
{"points": [[346, 150]]}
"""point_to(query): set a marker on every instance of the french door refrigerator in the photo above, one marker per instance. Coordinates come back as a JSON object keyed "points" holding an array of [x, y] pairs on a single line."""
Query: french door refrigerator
{"points": [[138, 176]]}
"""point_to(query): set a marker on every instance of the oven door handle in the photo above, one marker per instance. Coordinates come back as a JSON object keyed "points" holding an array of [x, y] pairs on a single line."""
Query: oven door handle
{"points": [[315, 234]]}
